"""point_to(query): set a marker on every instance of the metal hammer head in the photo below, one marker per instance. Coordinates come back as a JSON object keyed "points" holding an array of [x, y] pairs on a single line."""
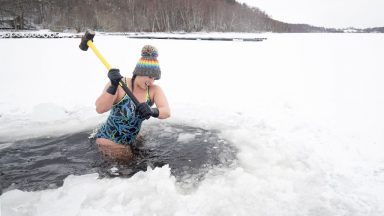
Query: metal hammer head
{"points": [[89, 34]]}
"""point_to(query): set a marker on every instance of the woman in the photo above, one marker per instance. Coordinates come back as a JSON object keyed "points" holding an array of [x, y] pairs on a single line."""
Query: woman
{"points": [[117, 134]]}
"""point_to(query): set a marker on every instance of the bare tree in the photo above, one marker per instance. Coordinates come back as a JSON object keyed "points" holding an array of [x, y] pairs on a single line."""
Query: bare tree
{"points": [[146, 15]]}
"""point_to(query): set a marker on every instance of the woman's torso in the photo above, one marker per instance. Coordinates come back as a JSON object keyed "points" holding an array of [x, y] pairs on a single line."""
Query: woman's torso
{"points": [[123, 123]]}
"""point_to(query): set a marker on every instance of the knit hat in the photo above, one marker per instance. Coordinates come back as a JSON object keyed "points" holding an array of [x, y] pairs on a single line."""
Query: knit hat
{"points": [[148, 64]]}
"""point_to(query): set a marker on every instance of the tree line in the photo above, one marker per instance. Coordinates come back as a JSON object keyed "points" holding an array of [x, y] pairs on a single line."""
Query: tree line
{"points": [[147, 16]]}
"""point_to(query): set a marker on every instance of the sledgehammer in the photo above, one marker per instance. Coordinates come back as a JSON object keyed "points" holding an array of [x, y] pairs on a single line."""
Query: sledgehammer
{"points": [[87, 41]]}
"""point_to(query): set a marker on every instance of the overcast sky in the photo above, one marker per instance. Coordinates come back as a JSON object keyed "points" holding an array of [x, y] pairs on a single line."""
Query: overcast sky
{"points": [[326, 13]]}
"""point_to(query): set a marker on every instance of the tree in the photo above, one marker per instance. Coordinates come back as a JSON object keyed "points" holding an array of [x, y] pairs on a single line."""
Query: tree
{"points": [[147, 15]]}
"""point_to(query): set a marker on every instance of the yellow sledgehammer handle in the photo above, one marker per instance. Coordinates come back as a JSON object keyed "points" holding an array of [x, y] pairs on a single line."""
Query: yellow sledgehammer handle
{"points": [[86, 42], [98, 54], [108, 66]]}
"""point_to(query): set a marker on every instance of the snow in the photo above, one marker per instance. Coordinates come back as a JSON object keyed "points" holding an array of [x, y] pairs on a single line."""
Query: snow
{"points": [[304, 110]]}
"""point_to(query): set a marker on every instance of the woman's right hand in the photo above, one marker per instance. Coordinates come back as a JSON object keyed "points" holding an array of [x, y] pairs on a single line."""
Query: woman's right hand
{"points": [[115, 77]]}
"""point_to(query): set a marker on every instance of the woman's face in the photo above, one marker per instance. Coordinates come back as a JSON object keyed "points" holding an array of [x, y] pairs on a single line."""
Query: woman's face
{"points": [[145, 81]]}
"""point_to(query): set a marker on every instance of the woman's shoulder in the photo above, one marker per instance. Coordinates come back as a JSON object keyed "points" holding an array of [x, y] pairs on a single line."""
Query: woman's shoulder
{"points": [[155, 87], [127, 79]]}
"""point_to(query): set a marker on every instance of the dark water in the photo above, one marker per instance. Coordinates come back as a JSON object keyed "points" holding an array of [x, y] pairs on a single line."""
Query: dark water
{"points": [[41, 163]]}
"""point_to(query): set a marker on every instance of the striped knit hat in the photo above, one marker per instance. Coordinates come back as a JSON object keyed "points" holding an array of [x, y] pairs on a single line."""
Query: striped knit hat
{"points": [[148, 64]]}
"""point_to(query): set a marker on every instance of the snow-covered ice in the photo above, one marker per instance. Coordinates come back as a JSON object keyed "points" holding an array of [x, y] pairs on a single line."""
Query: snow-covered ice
{"points": [[305, 112]]}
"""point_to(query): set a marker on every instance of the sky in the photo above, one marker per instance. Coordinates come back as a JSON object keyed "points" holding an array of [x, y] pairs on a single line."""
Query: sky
{"points": [[325, 13]]}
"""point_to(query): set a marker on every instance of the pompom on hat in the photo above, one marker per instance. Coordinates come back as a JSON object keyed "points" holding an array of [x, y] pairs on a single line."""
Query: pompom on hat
{"points": [[148, 64]]}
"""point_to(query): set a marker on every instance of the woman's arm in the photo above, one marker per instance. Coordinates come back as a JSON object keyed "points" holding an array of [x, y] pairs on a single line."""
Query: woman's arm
{"points": [[161, 103], [105, 101]]}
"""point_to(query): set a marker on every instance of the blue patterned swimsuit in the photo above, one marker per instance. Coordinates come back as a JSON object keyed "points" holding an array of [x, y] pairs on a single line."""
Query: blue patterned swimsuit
{"points": [[123, 123]]}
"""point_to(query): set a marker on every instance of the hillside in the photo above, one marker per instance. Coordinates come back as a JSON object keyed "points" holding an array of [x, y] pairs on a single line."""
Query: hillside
{"points": [[144, 16]]}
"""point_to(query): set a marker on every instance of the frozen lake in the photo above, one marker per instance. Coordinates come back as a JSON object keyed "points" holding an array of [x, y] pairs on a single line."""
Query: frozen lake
{"points": [[303, 114]]}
